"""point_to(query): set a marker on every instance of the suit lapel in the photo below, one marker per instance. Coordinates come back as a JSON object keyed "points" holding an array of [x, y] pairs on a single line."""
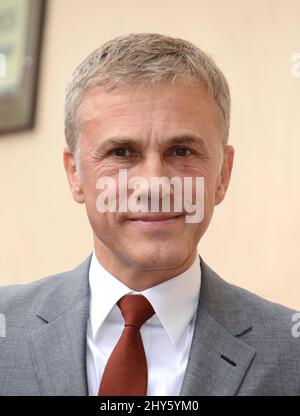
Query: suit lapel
{"points": [[210, 370], [58, 346], [218, 360]]}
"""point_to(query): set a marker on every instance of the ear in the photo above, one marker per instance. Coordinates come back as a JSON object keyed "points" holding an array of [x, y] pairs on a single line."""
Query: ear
{"points": [[224, 175], [72, 175]]}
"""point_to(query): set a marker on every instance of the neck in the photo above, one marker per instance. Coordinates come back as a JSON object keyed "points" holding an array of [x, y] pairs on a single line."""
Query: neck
{"points": [[137, 276]]}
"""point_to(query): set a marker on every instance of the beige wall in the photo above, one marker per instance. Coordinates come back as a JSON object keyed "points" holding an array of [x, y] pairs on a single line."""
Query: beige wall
{"points": [[254, 237]]}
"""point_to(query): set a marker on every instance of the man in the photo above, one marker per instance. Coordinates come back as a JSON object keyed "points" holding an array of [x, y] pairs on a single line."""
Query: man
{"points": [[144, 314]]}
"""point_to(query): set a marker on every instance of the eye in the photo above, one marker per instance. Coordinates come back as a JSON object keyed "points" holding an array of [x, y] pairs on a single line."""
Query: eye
{"points": [[121, 152], [182, 151]]}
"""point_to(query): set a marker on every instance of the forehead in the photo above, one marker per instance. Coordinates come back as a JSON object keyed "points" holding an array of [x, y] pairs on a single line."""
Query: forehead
{"points": [[158, 106]]}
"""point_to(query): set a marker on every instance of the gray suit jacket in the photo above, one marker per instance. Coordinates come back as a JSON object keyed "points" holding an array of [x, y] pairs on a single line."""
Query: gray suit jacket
{"points": [[242, 344]]}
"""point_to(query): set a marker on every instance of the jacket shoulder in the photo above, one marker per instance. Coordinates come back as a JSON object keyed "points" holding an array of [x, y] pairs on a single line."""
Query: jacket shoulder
{"points": [[64, 287], [222, 296], [263, 310], [11, 296]]}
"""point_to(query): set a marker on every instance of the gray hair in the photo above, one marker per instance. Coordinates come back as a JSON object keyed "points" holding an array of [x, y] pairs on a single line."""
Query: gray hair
{"points": [[141, 58]]}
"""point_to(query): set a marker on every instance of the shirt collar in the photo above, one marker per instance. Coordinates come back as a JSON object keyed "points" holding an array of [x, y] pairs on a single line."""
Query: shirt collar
{"points": [[174, 301]]}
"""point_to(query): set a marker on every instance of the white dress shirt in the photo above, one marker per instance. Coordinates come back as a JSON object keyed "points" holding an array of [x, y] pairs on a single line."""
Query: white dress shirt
{"points": [[166, 336]]}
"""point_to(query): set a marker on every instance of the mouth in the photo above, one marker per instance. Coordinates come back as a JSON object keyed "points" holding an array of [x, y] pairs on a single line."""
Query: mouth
{"points": [[155, 222], [154, 217]]}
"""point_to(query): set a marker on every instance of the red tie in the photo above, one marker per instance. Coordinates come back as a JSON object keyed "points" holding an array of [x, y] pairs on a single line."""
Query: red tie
{"points": [[126, 372]]}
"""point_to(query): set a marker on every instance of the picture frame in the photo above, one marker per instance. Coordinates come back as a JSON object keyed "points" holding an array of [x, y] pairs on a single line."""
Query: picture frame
{"points": [[21, 28]]}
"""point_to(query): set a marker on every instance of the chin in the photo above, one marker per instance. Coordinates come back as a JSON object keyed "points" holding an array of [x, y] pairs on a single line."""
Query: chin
{"points": [[157, 257]]}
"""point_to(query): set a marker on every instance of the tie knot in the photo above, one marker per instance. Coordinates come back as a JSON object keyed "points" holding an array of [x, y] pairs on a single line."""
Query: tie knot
{"points": [[136, 309]]}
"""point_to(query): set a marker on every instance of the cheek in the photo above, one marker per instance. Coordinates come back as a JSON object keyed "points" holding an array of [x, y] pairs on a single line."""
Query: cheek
{"points": [[209, 184], [194, 168], [198, 170], [91, 174], [101, 223], [99, 170]]}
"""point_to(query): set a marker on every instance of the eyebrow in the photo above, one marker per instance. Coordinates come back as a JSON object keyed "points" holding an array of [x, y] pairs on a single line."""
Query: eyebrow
{"points": [[178, 139], [186, 138]]}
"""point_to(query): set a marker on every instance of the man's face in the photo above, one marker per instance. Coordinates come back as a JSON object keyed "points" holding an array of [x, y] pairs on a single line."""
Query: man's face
{"points": [[158, 130]]}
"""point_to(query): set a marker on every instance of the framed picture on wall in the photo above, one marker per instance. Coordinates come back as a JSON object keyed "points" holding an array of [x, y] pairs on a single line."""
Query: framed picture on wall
{"points": [[21, 26]]}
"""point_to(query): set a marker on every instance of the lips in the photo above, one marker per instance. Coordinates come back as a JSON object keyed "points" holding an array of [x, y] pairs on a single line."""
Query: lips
{"points": [[154, 217]]}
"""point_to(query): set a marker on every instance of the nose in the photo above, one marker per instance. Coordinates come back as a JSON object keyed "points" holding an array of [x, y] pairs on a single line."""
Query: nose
{"points": [[153, 169], [153, 166]]}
